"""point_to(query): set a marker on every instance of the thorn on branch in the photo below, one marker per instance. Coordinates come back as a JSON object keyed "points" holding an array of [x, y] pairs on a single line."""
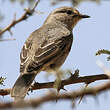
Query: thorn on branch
{"points": [[14, 17], [73, 103], [83, 94], [36, 4], [76, 74], [88, 82]]}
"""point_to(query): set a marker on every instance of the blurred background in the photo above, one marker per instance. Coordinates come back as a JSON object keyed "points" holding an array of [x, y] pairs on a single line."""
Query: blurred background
{"points": [[90, 35]]}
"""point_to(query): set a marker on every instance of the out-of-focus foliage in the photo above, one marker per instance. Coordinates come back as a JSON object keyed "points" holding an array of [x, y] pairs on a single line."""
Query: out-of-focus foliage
{"points": [[30, 2], [74, 2], [2, 80], [53, 2], [77, 2], [103, 51]]}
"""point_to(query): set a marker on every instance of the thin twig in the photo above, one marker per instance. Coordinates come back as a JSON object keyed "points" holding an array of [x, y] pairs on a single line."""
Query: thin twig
{"points": [[11, 39], [28, 12]]}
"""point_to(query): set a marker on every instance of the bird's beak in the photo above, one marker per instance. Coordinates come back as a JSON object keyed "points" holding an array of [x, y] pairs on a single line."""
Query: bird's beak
{"points": [[81, 16], [84, 16]]}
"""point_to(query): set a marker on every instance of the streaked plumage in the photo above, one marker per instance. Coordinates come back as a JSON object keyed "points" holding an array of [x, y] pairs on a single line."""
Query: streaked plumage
{"points": [[46, 48]]}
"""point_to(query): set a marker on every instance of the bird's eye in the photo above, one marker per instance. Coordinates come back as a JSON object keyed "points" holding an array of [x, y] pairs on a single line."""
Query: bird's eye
{"points": [[69, 12]]}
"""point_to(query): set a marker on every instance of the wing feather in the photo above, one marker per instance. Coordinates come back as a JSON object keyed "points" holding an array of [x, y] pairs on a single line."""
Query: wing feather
{"points": [[40, 48], [47, 55]]}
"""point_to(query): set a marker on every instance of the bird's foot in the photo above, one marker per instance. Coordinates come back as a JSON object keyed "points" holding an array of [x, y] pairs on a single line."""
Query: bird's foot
{"points": [[35, 84], [58, 85]]}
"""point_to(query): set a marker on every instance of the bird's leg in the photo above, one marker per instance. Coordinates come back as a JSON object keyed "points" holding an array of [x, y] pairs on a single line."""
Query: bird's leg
{"points": [[58, 84]]}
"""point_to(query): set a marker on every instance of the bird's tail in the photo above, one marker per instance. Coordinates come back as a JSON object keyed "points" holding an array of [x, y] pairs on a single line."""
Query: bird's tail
{"points": [[22, 85]]}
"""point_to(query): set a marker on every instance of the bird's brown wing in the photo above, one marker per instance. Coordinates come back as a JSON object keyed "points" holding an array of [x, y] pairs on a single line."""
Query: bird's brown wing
{"points": [[24, 55], [42, 54], [47, 54]]}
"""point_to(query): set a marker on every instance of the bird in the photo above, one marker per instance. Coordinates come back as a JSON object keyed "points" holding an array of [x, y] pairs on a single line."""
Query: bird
{"points": [[47, 48]]}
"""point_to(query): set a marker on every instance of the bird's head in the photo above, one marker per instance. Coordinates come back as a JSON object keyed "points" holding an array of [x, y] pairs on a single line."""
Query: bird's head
{"points": [[67, 16]]}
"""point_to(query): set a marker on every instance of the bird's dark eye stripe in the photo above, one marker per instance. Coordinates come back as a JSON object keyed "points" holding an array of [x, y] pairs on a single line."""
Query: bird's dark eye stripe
{"points": [[65, 11]]}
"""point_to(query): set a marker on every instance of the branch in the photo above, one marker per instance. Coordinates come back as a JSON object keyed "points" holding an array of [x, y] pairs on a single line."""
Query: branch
{"points": [[93, 91], [71, 80], [28, 12]]}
